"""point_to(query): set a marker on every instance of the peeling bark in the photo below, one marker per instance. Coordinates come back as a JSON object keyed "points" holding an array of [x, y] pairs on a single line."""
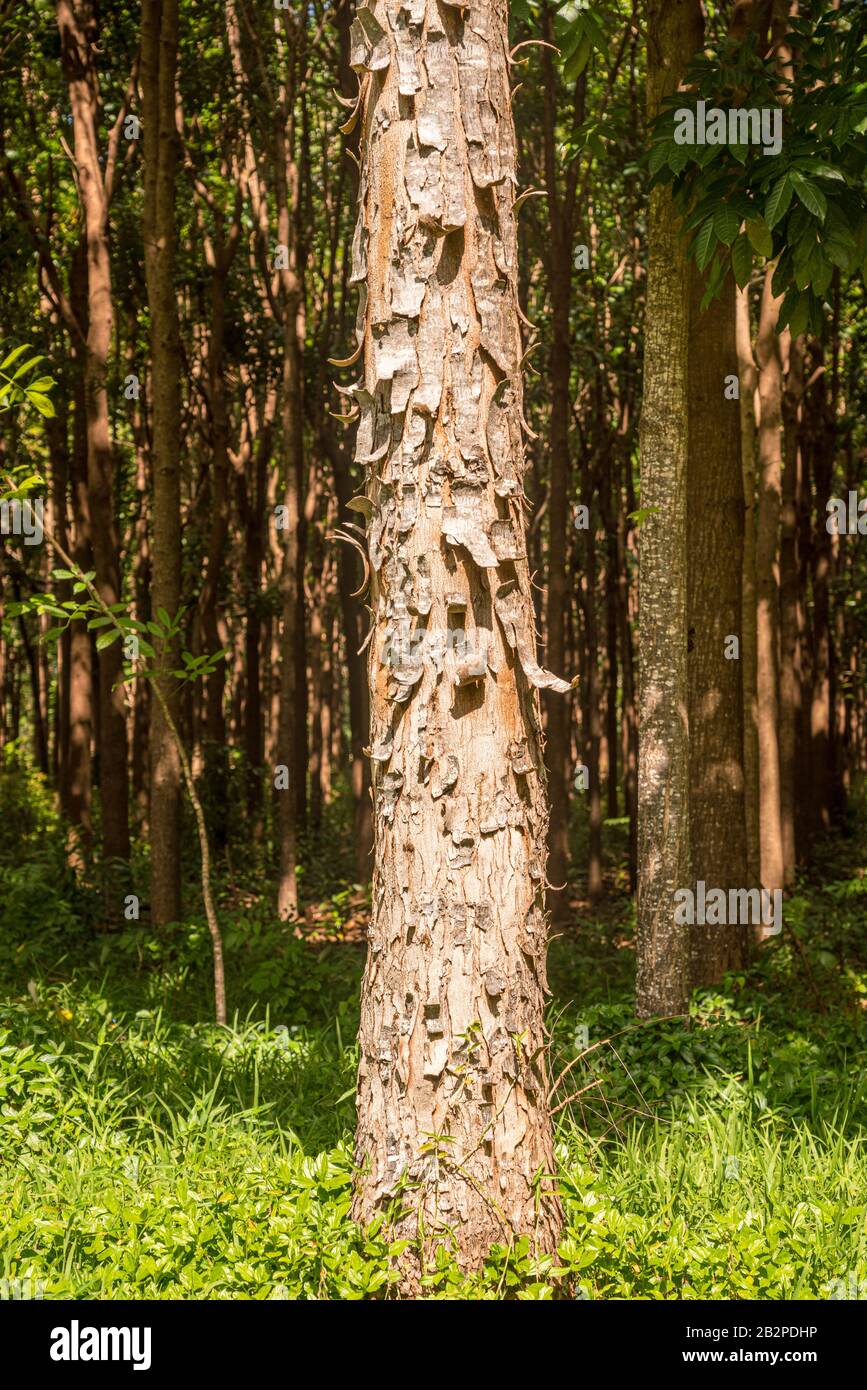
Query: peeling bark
{"points": [[452, 1093]]}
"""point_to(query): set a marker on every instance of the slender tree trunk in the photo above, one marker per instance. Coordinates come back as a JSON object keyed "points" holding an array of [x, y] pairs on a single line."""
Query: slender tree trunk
{"points": [[78, 32], [348, 580], [290, 578], [159, 62], [821, 705], [592, 723], [561, 215], [715, 503], [790, 664], [456, 958], [142, 582], [674, 29], [749, 658], [767, 586], [57, 435], [611, 625]]}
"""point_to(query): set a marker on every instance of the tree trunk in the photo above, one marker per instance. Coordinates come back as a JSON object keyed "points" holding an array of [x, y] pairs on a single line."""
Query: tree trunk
{"points": [[592, 721], [715, 503], [159, 61], [560, 204], [77, 26], [767, 586], [674, 30], [821, 705], [748, 387], [452, 1089], [790, 663]]}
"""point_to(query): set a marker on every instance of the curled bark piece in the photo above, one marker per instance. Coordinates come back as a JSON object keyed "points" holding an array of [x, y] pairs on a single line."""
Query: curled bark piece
{"points": [[368, 43], [361, 504], [339, 535], [526, 195], [541, 679]]}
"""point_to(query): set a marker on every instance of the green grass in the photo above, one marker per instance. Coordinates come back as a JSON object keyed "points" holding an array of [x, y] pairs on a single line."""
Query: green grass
{"points": [[145, 1153]]}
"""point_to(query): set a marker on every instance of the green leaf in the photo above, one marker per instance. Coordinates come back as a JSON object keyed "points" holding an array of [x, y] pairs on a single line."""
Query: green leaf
{"points": [[43, 404], [659, 155], [820, 169], [812, 197], [742, 260], [13, 356], [578, 60], [704, 244], [678, 158], [726, 224], [760, 237], [778, 200], [800, 315], [106, 639], [25, 366]]}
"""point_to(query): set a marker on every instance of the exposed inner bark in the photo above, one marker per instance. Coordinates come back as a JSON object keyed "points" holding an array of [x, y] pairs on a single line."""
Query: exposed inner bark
{"points": [[452, 1100]]}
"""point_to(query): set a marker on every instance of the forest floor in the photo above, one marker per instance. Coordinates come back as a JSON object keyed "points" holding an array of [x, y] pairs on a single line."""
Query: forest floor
{"points": [[145, 1153]]}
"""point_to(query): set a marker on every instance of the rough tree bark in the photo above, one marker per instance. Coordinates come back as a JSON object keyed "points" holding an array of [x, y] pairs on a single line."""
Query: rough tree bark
{"points": [[674, 29], [452, 1089]]}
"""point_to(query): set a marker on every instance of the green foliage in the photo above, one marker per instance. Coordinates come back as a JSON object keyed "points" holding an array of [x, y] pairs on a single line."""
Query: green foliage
{"points": [[146, 1153], [805, 206], [16, 390]]}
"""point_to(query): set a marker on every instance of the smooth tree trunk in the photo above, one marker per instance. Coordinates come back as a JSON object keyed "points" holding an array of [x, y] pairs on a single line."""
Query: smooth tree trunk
{"points": [[452, 1087], [821, 702], [748, 387], [768, 585], [78, 35], [674, 30], [560, 206], [790, 650], [592, 697], [159, 63], [715, 504]]}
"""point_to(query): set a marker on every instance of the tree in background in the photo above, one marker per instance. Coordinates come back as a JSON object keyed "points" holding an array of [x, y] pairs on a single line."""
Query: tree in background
{"points": [[674, 33]]}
